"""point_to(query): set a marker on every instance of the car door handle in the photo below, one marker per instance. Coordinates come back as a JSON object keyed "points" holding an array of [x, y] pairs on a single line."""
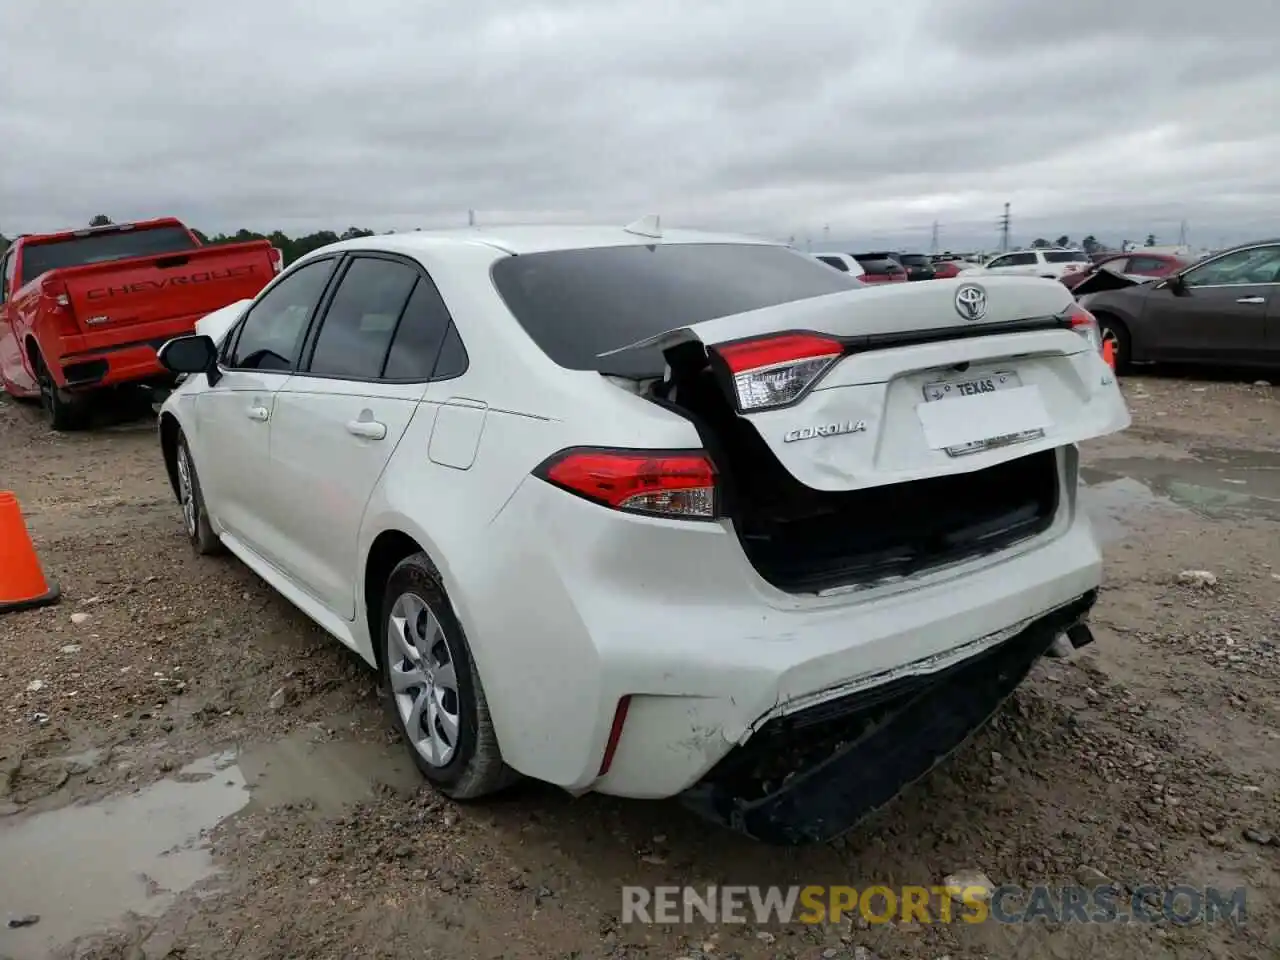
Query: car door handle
{"points": [[261, 414], [368, 429], [1252, 300]]}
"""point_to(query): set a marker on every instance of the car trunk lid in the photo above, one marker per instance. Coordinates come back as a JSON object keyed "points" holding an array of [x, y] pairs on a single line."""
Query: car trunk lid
{"points": [[904, 383]]}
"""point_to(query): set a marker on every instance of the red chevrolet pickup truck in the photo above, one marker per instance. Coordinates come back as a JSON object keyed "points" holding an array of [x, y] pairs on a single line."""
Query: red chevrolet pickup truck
{"points": [[85, 311]]}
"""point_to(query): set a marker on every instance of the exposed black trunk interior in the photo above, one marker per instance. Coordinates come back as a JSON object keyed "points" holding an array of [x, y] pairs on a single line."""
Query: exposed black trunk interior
{"points": [[803, 540]]}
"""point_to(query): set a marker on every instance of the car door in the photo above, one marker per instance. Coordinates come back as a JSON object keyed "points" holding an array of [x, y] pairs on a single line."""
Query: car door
{"points": [[233, 416], [338, 420], [1218, 310]]}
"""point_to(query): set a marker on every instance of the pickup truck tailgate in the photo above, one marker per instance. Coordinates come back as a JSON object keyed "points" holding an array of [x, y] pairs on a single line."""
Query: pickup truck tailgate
{"points": [[189, 283]]}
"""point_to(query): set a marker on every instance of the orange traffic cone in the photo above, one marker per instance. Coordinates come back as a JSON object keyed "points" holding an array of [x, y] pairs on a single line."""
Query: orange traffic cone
{"points": [[1109, 353], [22, 583]]}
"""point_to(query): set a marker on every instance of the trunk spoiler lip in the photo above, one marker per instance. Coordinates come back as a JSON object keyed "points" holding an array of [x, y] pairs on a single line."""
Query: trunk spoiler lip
{"points": [[857, 343]]}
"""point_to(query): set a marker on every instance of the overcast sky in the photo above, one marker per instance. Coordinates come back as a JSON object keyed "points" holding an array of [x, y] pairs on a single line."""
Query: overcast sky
{"points": [[769, 117]]}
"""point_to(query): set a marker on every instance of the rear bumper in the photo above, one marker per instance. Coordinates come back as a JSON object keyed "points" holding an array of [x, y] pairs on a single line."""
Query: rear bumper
{"points": [[670, 615], [112, 357], [809, 777]]}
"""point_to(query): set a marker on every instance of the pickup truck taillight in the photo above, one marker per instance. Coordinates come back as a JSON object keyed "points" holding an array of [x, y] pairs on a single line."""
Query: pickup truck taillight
{"points": [[277, 259], [60, 307]]}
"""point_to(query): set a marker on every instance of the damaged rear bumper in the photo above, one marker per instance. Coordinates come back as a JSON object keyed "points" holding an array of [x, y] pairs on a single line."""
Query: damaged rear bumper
{"points": [[811, 776]]}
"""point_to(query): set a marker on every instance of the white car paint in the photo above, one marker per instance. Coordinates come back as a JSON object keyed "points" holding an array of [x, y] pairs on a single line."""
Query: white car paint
{"points": [[1032, 263], [569, 605]]}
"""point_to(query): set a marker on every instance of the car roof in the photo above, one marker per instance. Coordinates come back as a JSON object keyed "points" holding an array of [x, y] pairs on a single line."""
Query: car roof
{"points": [[525, 239]]}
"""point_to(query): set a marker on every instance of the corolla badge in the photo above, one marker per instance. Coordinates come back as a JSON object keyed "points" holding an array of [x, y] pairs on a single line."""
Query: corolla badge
{"points": [[971, 301], [824, 430]]}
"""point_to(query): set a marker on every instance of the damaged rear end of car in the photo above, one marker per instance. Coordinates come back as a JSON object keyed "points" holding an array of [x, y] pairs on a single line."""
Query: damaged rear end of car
{"points": [[859, 443]]}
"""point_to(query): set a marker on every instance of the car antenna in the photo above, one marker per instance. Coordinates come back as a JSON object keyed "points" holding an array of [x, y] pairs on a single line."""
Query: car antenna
{"points": [[647, 226]]}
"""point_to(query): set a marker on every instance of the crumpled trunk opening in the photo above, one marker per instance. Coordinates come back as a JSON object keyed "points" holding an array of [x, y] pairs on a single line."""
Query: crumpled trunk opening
{"points": [[804, 540], [814, 775]]}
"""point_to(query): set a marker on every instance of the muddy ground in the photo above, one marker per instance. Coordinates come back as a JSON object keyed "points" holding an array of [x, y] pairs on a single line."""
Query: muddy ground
{"points": [[169, 697]]}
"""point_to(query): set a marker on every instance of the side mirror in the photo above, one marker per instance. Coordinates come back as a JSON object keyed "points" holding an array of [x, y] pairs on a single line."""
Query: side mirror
{"points": [[1177, 286], [193, 354]]}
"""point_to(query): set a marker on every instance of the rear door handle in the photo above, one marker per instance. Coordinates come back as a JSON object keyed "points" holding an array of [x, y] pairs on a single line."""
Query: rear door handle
{"points": [[368, 429], [261, 414], [1252, 300]]}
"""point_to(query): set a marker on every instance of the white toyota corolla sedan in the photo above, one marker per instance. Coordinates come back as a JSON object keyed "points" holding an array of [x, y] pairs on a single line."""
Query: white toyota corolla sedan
{"points": [[653, 513]]}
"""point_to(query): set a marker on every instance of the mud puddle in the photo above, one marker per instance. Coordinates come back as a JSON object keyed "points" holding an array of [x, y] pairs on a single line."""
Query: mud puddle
{"points": [[84, 868], [1214, 484]]}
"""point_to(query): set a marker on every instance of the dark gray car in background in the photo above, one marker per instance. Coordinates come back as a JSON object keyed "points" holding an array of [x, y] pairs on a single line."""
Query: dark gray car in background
{"points": [[1223, 310]]}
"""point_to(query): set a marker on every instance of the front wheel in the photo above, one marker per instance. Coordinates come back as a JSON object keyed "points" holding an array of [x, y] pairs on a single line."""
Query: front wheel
{"points": [[437, 702], [195, 518]]}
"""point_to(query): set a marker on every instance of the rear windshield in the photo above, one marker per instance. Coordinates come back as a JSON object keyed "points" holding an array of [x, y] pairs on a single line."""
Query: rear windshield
{"points": [[880, 266], [1066, 256], [576, 304], [915, 260], [97, 247]]}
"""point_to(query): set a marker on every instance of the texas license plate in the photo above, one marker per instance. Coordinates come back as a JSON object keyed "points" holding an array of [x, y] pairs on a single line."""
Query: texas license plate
{"points": [[978, 386]]}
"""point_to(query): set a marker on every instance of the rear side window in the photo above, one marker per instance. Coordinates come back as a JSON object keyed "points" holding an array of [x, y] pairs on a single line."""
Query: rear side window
{"points": [[99, 247], [576, 304], [422, 330], [361, 320], [1066, 256]]}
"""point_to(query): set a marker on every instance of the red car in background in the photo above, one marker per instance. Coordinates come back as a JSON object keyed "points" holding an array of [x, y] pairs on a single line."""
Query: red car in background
{"points": [[1133, 264], [946, 269], [881, 268]]}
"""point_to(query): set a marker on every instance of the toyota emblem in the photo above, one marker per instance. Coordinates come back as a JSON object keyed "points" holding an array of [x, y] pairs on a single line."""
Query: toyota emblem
{"points": [[971, 302]]}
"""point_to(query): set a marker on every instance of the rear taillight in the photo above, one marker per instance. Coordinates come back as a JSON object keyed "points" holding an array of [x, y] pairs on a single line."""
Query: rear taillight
{"points": [[1084, 323], [777, 370], [277, 259], [660, 483]]}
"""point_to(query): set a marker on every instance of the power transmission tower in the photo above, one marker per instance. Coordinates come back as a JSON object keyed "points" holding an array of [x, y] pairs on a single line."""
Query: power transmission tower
{"points": [[1182, 234], [1003, 224], [933, 240], [826, 235], [471, 218]]}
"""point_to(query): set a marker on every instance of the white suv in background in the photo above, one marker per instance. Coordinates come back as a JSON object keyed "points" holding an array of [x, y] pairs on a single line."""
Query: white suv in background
{"points": [[1052, 263], [844, 262]]}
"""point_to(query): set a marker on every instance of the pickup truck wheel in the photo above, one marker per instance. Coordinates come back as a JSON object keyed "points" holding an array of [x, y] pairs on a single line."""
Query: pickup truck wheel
{"points": [[195, 519], [63, 415], [437, 703]]}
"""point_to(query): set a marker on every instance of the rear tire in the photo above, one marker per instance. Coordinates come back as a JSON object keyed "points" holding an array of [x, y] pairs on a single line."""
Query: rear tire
{"points": [[436, 699], [1110, 328], [63, 415], [195, 518]]}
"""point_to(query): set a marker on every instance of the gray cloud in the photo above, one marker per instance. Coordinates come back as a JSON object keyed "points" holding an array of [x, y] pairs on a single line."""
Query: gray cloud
{"points": [[758, 115]]}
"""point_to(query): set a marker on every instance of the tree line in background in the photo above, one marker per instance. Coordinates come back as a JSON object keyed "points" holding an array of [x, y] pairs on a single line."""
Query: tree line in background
{"points": [[294, 247]]}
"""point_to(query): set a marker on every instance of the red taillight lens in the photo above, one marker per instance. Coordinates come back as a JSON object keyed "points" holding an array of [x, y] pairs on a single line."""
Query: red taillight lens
{"points": [[277, 260], [1084, 323], [615, 734], [777, 370], [661, 483]]}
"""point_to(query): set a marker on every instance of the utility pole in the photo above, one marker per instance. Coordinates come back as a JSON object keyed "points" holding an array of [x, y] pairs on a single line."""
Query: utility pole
{"points": [[1003, 224], [933, 240], [826, 235], [1182, 234]]}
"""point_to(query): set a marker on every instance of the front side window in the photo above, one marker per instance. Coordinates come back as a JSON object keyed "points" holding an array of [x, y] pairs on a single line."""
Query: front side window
{"points": [[270, 337], [361, 320], [1066, 256], [1243, 267]]}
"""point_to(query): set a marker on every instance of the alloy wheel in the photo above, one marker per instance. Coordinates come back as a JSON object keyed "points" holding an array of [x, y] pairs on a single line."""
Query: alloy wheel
{"points": [[420, 667]]}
